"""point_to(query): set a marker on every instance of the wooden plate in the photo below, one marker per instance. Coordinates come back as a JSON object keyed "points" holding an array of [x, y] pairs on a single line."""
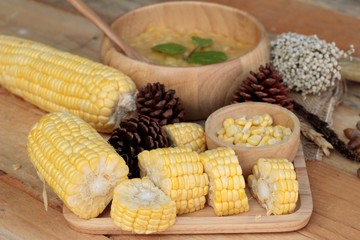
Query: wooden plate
{"points": [[205, 222]]}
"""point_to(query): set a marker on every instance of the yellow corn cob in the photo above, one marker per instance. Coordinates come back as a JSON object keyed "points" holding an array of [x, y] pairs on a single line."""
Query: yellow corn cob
{"points": [[76, 161], [59, 81], [186, 134], [273, 183], [227, 185], [139, 206], [179, 173]]}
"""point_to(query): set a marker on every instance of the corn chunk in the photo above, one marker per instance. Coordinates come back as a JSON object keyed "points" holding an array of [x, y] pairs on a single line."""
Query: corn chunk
{"points": [[273, 183], [227, 186], [186, 134], [179, 173]]}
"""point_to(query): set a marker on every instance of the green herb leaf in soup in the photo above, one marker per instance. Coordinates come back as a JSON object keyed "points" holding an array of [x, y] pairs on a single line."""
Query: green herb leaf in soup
{"points": [[201, 42], [169, 48], [208, 57]]}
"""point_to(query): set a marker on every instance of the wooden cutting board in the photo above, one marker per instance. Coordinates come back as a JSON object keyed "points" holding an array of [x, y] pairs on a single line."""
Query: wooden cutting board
{"points": [[205, 221]]}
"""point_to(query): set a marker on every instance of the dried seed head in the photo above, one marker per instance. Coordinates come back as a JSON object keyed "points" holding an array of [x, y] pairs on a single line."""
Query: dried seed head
{"points": [[309, 65]]}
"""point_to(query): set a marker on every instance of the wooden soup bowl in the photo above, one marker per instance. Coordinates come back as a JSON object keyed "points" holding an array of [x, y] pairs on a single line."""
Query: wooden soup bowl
{"points": [[249, 155], [202, 89]]}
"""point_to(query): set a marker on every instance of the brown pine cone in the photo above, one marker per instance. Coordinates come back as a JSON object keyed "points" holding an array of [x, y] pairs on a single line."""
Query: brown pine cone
{"points": [[161, 105], [135, 135], [267, 85]]}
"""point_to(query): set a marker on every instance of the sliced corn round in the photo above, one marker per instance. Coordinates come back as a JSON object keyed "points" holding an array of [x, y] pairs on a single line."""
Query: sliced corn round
{"points": [[141, 207]]}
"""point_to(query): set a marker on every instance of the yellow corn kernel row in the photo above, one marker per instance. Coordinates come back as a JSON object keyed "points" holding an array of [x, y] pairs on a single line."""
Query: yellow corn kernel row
{"points": [[255, 131], [141, 207], [227, 186], [179, 173], [273, 183], [54, 80], [76, 161], [186, 134]]}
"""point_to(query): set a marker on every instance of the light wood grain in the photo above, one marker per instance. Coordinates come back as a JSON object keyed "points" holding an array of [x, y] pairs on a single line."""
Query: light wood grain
{"points": [[205, 221], [281, 16], [85, 10], [23, 217], [202, 89]]}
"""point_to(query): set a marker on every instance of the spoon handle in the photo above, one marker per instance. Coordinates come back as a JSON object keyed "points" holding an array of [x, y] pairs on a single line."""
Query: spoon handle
{"points": [[350, 70], [86, 11]]}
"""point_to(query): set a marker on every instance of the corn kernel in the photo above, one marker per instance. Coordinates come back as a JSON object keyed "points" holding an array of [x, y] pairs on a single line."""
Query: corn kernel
{"points": [[257, 130], [247, 127], [241, 121], [245, 136], [257, 120], [287, 131], [237, 137], [228, 122], [229, 140], [231, 130], [254, 140]]}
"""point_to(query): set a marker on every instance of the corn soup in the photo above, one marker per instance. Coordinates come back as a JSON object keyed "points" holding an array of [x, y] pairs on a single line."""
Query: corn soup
{"points": [[154, 36]]}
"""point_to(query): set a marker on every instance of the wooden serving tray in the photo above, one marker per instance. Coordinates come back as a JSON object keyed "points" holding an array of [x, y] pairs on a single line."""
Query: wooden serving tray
{"points": [[205, 221]]}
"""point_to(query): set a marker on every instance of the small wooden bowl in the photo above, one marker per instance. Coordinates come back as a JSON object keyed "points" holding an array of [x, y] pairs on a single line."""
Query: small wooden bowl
{"points": [[249, 155], [202, 89]]}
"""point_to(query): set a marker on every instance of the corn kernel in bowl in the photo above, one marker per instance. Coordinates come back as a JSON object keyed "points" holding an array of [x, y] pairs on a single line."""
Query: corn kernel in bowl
{"points": [[252, 132]]}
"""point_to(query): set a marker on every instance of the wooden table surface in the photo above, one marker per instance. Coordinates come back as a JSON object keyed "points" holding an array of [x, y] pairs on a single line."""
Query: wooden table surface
{"points": [[334, 185]]}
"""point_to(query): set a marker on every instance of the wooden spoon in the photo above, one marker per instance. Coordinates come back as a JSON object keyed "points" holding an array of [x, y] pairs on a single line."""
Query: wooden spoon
{"points": [[350, 70], [87, 12]]}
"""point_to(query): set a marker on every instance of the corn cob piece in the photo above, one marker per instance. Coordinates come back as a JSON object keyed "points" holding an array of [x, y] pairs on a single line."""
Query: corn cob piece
{"points": [[186, 134], [141, 207], [54, 80], [146, 162], [273, 183], [76, 161], [179, 173], [227, 185]]}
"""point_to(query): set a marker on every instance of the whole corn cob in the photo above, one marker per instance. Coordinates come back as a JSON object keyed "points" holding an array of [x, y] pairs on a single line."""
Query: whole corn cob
{"points": [[139, 206], [273, 183], [76, 161], [179, 173], [227, 185], [186, 134], [55, 80]]}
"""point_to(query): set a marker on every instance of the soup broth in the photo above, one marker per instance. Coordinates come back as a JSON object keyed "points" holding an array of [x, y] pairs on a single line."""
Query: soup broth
{"points": [[144, 42]]}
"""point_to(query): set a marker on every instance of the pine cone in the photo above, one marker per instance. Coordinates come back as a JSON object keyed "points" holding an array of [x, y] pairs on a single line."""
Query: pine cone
{"points": [[161, 105], [135, 135], [267, 85]]}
